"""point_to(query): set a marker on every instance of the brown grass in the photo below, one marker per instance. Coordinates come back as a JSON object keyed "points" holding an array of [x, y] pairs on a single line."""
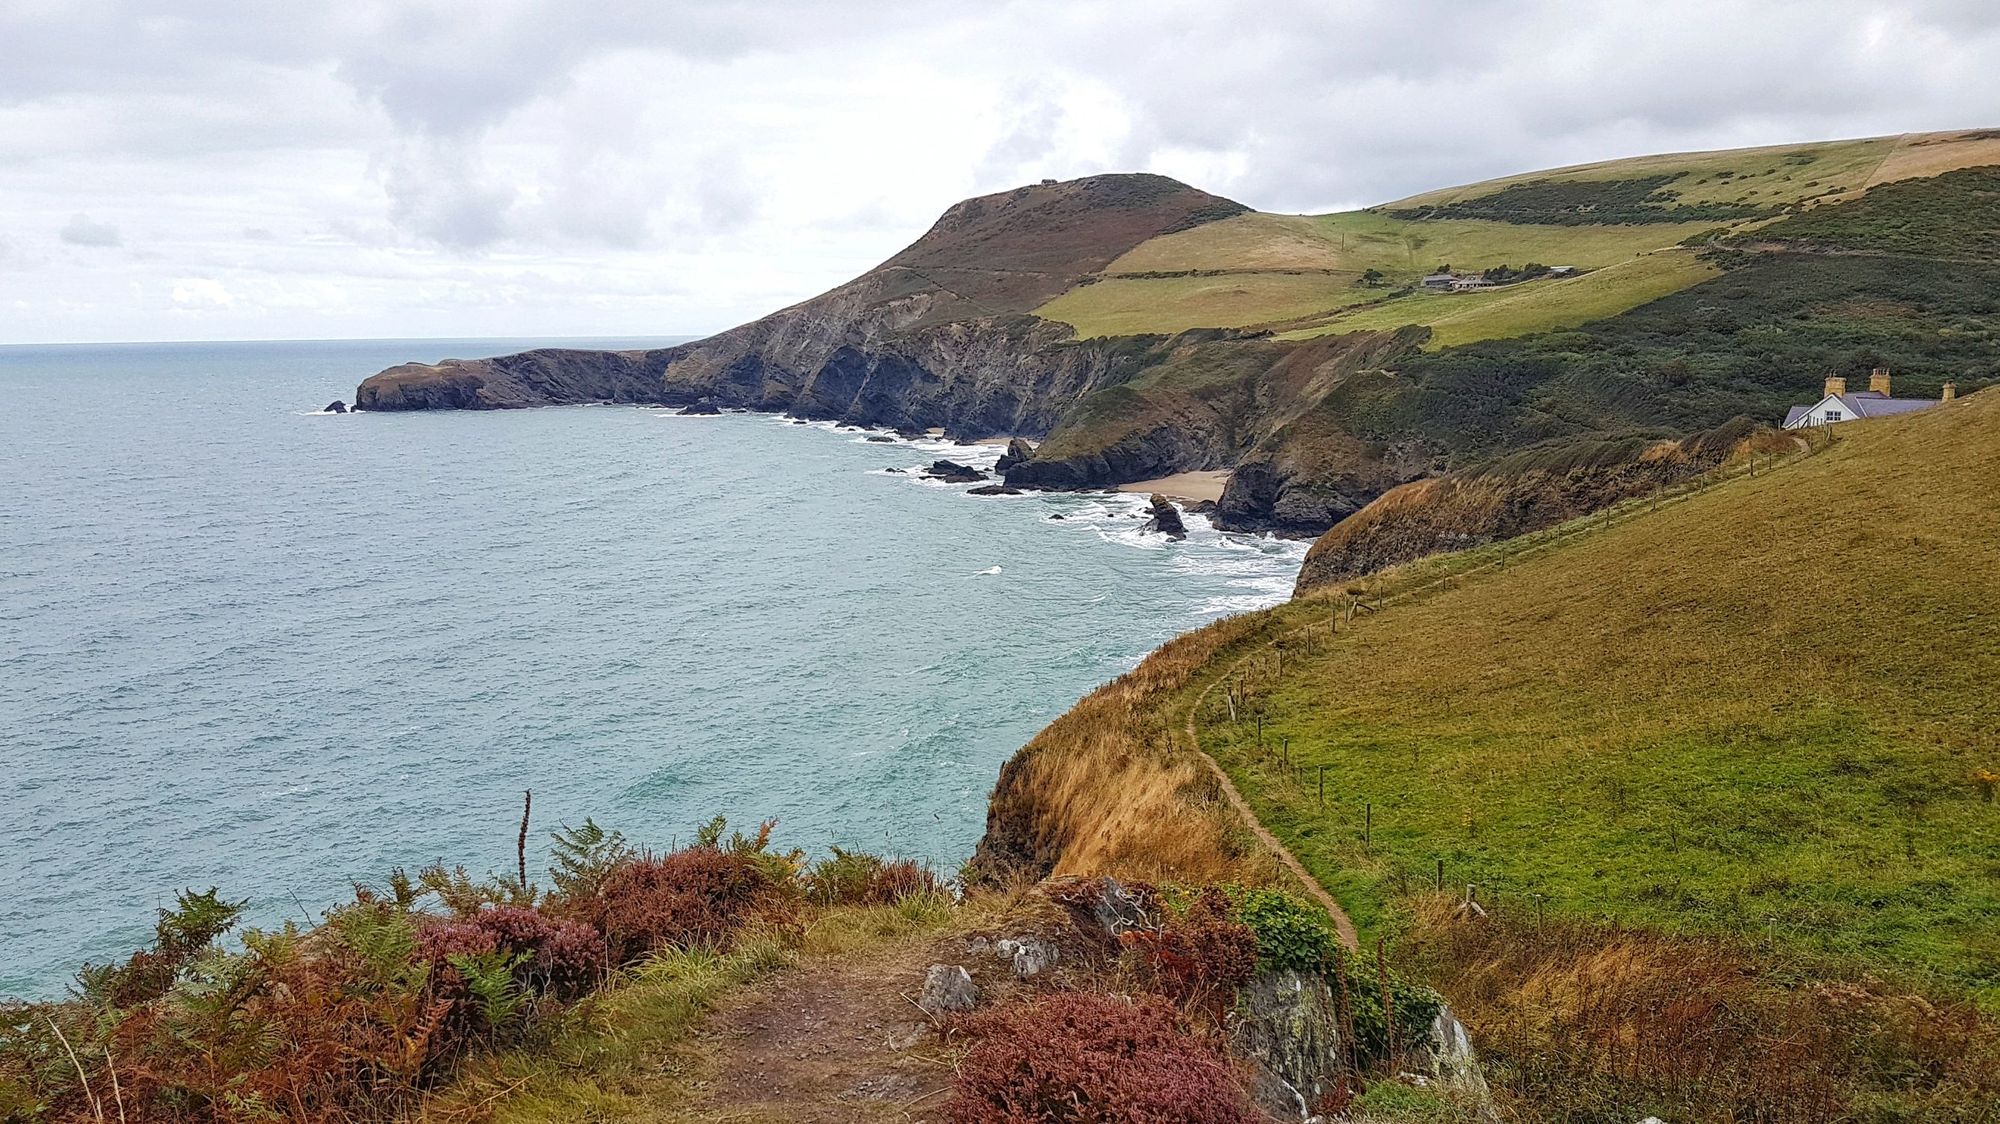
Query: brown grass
{"points": [[1109, 788]]}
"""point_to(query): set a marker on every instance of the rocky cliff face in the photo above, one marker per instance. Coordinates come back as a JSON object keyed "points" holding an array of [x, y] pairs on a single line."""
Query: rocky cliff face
{"points": [[937, 335], [1521, 493]]}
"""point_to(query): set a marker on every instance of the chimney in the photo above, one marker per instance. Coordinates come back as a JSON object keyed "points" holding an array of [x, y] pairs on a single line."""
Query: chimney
{"points": [[1950, 392], [1878, 381], [1836, 385]]}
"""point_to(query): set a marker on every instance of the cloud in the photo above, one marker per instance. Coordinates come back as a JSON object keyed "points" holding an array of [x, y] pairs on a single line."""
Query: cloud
{"points": [[81, 231], [448, 167]]}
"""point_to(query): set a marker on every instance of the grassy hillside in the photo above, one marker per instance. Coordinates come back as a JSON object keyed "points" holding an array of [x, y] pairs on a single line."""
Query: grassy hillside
{"points": [[1764, 710], [1302, 273]]}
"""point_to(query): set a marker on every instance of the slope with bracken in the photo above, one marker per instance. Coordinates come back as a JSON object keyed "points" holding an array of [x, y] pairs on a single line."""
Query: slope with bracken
{"points": [[1145, 328]]}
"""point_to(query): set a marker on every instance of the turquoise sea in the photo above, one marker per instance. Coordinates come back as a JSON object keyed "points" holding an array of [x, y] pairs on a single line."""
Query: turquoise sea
{"points": [[244, 644]]}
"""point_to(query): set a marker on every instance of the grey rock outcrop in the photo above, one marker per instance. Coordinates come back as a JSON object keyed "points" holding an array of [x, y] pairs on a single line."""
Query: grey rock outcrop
{"points": [[1288, 1026], [1018, 452], [947, 988], [952, 472]]}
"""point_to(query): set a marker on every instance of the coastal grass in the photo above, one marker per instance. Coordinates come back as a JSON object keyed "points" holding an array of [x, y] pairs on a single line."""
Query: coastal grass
{"points": [[1525, 308], [1764, 711]]}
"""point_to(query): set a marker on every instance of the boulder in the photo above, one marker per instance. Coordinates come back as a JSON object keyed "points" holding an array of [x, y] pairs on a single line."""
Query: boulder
{"points": [[1017, 452], [952, 472], [703, 408], [994, 490], [881, 439], [1288, 1027], [1165, 519], [1450, 1062], [336, 407], [948, 987], [1030, 956], [1201, 507]]}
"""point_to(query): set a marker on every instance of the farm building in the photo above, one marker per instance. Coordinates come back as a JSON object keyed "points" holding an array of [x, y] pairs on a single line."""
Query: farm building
{"points": [[1837, 405]]}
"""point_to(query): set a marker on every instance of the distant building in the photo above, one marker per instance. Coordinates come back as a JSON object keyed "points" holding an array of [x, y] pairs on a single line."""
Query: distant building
{"points": [[1836, 405], [1439, 280], [1463, 284], [1561, 270]]}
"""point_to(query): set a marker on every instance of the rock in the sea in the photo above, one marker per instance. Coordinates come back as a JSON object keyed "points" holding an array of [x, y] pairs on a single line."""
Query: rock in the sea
{"points": [[1201, 507], [336, 407], [1166, 519], [994, 490], [948, 987], [881, 439], [1017, 452], [1058, 515], [703, 407], [952, 472]]}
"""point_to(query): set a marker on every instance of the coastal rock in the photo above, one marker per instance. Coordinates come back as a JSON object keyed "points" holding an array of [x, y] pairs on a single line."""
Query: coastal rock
{"points": [[1029, 956], [881, 439], [952, 472], [705, 407], [1200, 507], [948, 987], [994, 490], [1018, 452], [1288, 1026], [1165, 519], [336, 407]]}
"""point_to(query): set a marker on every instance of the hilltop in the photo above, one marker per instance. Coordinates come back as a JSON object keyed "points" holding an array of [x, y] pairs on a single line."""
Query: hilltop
{"points": [[1736, 740], [1142, 327]]}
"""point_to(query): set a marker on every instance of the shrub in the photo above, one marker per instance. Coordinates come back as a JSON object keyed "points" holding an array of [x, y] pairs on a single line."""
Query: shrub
{"points": [[1092, 1059], [697, 896], [1199, 958], [1293, 935], [556, 957], [858, 878]]}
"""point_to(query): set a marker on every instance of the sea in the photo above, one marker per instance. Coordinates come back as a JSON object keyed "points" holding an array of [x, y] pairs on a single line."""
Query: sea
{"points": [[250, 645]]}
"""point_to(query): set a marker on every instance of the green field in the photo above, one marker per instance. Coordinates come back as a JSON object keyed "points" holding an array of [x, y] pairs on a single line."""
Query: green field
{"points": [[1534, 306], [1779, 173], [1122, 306], [1761, 710]]}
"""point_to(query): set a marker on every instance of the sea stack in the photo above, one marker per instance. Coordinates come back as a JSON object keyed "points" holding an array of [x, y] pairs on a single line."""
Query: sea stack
{"points": [[1166, 519]]}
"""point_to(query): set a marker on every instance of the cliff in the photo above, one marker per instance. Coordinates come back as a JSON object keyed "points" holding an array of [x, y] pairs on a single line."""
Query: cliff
{"points": [[1144, 328], [1519, 493], [935, 336]]}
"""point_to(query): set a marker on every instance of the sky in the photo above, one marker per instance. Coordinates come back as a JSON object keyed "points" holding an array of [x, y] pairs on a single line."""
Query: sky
{"points": [[199, 169]]}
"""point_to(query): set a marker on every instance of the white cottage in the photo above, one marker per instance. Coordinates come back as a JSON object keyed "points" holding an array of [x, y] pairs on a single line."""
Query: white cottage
{"points": [[1837, 405]]}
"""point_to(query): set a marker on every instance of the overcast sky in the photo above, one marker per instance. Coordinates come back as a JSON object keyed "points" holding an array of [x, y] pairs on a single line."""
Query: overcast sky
{"points": [[199, 169]]}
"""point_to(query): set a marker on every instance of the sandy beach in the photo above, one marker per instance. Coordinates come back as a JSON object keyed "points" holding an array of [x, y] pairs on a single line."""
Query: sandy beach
{"points": [[1190, 486]]}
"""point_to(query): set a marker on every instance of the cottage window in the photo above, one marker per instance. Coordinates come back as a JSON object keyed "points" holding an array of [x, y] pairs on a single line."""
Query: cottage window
{"points": [[1833, 415]]}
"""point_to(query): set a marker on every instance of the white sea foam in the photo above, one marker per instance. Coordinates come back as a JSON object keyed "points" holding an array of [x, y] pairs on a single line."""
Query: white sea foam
{"points": [[988, 571]]}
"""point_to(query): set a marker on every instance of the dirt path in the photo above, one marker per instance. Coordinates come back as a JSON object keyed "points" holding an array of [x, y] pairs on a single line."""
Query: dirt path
{"points": [[830, 1042], [1342, 923]]}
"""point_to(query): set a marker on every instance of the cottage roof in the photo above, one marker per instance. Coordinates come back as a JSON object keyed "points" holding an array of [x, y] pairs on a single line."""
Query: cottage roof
{"points": [[1863, 404]]}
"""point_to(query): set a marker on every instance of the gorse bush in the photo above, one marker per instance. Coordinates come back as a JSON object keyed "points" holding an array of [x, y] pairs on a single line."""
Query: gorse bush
{"points": [[1092, 1059]]}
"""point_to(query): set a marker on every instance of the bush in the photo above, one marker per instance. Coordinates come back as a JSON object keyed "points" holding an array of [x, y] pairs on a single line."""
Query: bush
{"points": [[556, 957], [1092, 1059], [858, 878], [1199, 958], [1293, 935], [694, 897]]}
